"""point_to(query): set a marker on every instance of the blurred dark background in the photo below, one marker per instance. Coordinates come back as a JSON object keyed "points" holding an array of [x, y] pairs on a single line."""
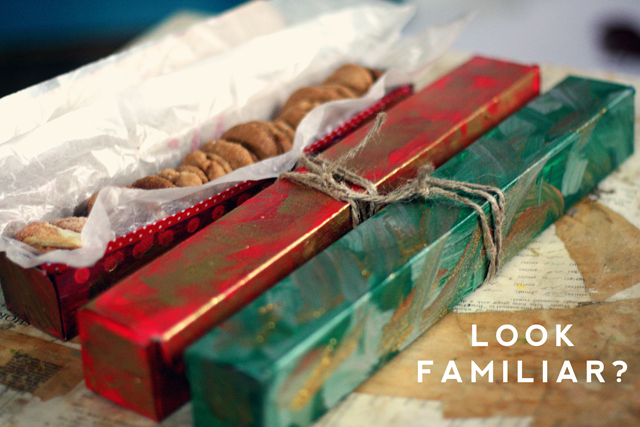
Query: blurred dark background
{"points": [[42, 39]]}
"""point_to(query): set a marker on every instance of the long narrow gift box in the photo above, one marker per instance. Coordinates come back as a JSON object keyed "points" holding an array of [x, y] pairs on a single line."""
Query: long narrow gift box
{"points": [[302, 345], [48, 296], [134, 335]]}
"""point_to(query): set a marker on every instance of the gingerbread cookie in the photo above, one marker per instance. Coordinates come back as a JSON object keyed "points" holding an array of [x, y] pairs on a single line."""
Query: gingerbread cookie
{"points": [[235, 154], [152, 183]]}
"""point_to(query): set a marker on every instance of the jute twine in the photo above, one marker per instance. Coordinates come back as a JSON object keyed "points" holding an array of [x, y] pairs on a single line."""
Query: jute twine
{"points": [[333, 179]]}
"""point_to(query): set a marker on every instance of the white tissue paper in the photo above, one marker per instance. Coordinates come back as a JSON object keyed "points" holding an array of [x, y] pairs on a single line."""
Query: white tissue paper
{"points": [[138, 129]]}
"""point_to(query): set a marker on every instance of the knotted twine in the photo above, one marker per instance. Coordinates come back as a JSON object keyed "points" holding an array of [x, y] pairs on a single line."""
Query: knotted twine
{"points": [[333, 179]]}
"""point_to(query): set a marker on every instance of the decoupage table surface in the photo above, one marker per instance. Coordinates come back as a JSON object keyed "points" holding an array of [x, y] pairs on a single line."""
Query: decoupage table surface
{"points": [[583, 271]]}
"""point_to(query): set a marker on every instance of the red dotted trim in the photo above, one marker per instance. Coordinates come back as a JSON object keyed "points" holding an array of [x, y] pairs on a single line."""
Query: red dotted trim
{"points": [[168, 222], [165, 224]]}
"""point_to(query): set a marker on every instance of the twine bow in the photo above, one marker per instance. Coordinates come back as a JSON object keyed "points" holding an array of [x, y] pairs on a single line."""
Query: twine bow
{"points": [[333, 179]]}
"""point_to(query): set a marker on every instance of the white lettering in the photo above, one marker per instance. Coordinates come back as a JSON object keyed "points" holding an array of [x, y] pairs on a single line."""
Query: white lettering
{"points": [[566, 367], [531, 341], [451, 373], [422, 370], [592, 370], [499, 335], [560, 335], [488, 370], [522, 379], [474, 340]]}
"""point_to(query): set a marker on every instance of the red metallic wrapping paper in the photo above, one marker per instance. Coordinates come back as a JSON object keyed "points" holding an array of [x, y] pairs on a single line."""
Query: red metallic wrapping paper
{"points": [[133, 335]]}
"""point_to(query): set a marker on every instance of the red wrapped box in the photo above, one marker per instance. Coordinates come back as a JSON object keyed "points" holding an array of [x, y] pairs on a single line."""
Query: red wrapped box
{"points": [[134, 334]]}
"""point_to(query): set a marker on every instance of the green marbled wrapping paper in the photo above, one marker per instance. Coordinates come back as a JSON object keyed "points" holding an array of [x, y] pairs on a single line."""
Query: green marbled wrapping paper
{"points": [[315, 336]]}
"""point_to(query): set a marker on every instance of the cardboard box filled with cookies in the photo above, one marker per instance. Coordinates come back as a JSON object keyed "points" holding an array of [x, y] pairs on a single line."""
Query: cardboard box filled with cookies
{"points": [[120, 161]]}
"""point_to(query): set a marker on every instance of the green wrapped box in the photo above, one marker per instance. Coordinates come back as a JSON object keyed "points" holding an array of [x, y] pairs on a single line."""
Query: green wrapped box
{"points": [[304, 344]]}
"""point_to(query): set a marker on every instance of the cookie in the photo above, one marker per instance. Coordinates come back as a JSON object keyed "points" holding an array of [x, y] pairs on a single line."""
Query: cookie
{"points": [[221, 161], [194, 170], [198, 159], [313, 94], [282, 137], [235, 154], [188, 179], [342, 92], [46, 237], [255, 137], [74, 223], [355, 77], [170, 175], [214, 170], [294, 114], [152, 183]]}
